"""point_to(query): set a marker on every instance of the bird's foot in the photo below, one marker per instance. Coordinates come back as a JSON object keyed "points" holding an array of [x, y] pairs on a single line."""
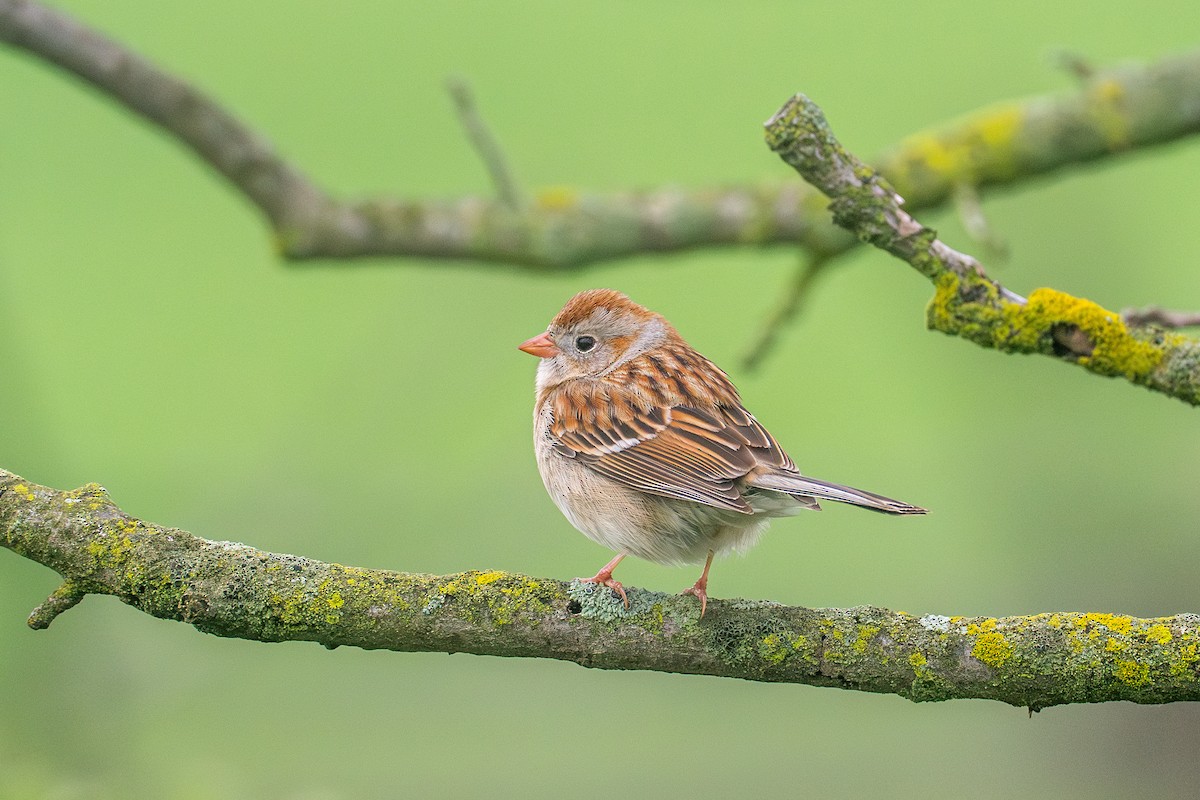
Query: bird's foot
{"points": [[700, 589], [700, 592], [604, 578]]}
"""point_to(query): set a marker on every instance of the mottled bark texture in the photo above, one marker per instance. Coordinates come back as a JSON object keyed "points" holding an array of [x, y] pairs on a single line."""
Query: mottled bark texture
{"points": [[1111, 112], [233, 590]]}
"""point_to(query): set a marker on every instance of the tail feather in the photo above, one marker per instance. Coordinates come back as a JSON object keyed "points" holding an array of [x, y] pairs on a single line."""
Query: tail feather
{"points": [[801, 486]]}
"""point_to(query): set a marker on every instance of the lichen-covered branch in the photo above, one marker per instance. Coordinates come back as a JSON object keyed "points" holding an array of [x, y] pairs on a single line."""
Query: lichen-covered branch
{"points": [[1110, 113], [967, 302], [233, 590]]}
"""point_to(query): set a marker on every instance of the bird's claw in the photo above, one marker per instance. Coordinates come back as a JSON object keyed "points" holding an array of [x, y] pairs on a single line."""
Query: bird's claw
{"points": [[602, 579], [699, 592]]}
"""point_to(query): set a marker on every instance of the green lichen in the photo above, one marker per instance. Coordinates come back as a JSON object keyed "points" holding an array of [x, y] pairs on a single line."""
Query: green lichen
{"points": [[1179, 374], [234, 590], [500, 598], [340, 596], [603, 604], [1183, 665], [778, 648], [926, 684], [117, 550], [773, 649], [1129, 653]]}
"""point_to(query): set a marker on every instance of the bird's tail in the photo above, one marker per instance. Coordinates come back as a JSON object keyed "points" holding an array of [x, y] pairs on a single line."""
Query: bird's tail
{"points": [[800, 486]]}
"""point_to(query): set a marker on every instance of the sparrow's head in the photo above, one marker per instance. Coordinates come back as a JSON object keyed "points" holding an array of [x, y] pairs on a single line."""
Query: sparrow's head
{"points": [[596, 332]]}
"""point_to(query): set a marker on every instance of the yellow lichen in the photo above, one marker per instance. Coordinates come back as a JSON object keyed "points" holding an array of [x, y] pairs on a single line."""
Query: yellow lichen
{"points": [[23, 491], [992, 649], [1132, 673], [979, 145], [865, 634], [1114, 622], [993, 321], [1159, 634], [1109, 112], [485, 578], [556, 198], [1116, 352]]}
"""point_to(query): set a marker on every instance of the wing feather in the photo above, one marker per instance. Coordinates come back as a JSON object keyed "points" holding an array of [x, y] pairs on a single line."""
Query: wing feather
{"points": [[685, 451]]}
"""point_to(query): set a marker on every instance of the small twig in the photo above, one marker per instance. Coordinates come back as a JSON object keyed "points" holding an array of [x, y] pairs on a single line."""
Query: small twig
{"points": [[1076, 64], [484, 142], [1162, 317], [65, 597], [970, 212], [801, 285]]}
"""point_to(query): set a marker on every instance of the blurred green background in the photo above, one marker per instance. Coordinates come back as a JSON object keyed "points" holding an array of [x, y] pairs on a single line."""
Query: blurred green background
{"points": [[377, 413]]}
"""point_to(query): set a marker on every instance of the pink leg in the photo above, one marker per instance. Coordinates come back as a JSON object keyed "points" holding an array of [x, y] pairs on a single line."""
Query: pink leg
{"points": [[604, 578], [700, 590]]}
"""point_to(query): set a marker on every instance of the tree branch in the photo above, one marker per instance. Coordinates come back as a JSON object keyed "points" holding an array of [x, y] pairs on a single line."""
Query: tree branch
{"points": [[1113, 112], [485, 143], [1162, 317], [801, 287], [233, 590], [968, 303]]}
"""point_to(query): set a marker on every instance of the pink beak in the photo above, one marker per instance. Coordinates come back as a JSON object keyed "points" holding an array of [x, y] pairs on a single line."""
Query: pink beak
{"points": [[540, 346]]}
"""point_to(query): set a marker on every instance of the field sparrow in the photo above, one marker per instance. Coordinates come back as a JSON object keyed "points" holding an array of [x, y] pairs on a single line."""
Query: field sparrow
{"points": [[644, 445]]}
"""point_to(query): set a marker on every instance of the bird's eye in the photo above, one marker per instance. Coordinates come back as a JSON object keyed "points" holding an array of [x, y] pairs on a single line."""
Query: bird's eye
{"points": [[585, 343]]}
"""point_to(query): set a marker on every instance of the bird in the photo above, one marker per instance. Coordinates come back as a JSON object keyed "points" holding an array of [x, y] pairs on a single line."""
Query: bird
{"points": [[646, 448]]}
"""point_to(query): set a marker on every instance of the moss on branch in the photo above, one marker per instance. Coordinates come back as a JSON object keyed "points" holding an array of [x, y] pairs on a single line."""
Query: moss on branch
{"points": [[233, 590]]}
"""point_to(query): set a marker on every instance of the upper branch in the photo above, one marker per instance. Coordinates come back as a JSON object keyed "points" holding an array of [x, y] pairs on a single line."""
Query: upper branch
{"points": [[294, 205], [968, 303], [1110, 113], [233, 590]]}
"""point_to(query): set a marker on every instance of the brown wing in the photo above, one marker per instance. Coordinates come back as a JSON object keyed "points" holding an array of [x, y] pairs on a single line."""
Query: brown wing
{"points": [[674, 451]]}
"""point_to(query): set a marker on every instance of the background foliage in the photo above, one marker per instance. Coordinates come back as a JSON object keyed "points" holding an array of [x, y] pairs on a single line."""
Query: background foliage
{"points": [[378, 414]]}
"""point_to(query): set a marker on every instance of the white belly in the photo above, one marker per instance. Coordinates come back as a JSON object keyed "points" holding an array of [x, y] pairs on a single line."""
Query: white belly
{"points": [[659, 529]]}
